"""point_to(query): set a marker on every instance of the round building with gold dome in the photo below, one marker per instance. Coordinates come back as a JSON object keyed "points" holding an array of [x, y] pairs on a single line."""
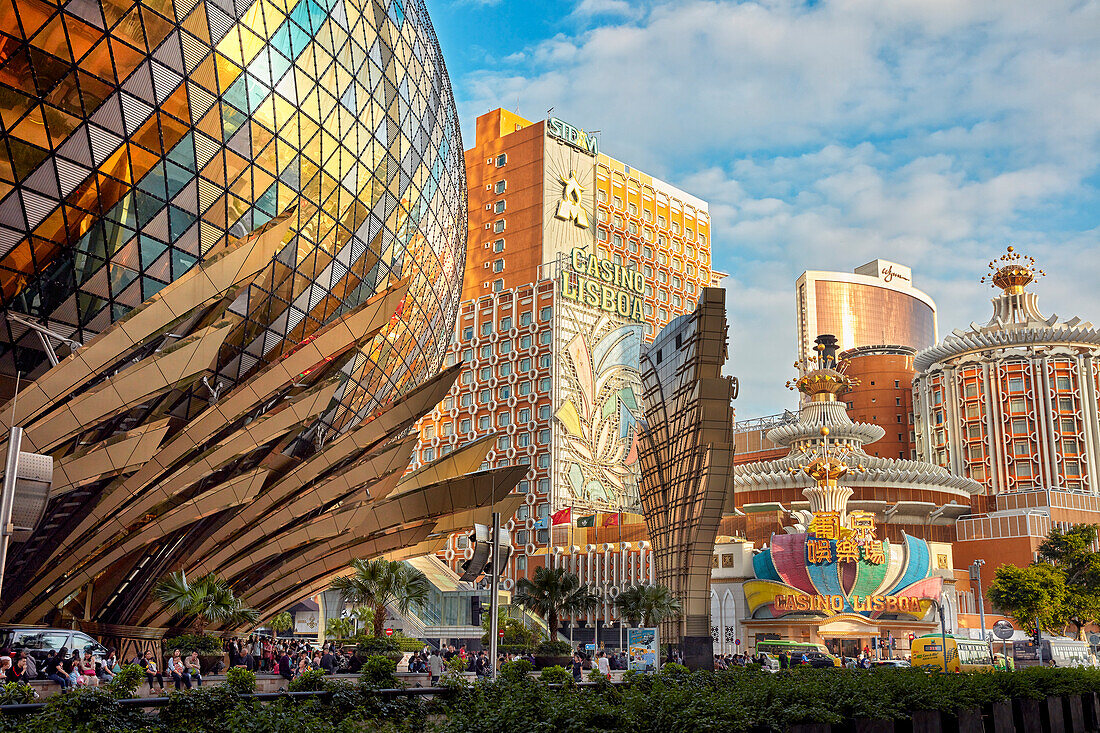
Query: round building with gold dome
{"points": [[1013, 403]]}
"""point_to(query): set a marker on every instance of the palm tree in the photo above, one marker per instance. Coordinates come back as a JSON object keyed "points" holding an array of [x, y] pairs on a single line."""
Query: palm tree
{"points": [[378, 583], [207, 600], [552, 593], [647, 604], [281, 622]]}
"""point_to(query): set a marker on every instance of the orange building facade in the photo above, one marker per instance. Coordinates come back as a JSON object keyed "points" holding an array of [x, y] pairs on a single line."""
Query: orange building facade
{"points": [[883, 396], [574, 261]]}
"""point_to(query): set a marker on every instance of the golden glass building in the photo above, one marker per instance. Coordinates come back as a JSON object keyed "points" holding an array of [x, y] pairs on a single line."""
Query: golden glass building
{"points": [[232, 239], [874, 305]]}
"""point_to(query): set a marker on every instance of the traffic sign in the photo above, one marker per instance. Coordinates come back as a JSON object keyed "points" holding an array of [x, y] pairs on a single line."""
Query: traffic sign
{"points": [[389, 632], [1094, 639], [501, 633], [1003, 630]]}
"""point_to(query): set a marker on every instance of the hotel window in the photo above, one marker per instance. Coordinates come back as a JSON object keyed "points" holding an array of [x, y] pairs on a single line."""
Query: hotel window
{"points": [[429, 431], [662, 221], [633, 247], [1017, 405], [662, 258], [662, 277], [618, 222], [633, 209], [649, 291], [451, 359], [484, 396], [1015, 384], [972, 412], [462, 542], [689, 233], [486, 328], [1021, 448], [498, 265], [544, 384], [662, 314], [465, 379], [467, 355], [525, 318], [691, 287], [524, 415], [523, 440], [504, 392], [1069, 446], [429, 454], [524, 388], [446, 429], [506, 346], [465, 426], [1073, 468], [503, 443], [467, 333], [542, 536], [483, 422], [498, 226], [498, 245], [1019, 427], [647, 215], [1065, 404], [647, 252], [544, 313], [498, 207], [675, 228], [601, 215], [484, 373], [676, 301], [449, 403], [525, 364], [602, 196], [467, 399], [1064, 384], [974, 431], [544, 437], [504, 419], [505, 369], [544, 412], [702, 238], [1069, 425], [662, 296], [648, 271], [975, 452], [544, 460], [498, 285], [506, 323], [486, 351], [502, 159], [662, 241], [618, 202], [544, 361], [544, 337], [521, 537], [618, 238], [1023, 470], [525, 342], [647, 309], [677, 282], [632, 228], [978, 473], [500, 186], [601, 234]]}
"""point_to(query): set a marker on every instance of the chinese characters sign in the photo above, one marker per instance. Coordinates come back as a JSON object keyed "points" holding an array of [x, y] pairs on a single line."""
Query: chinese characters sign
{"points": [[830, 541]]}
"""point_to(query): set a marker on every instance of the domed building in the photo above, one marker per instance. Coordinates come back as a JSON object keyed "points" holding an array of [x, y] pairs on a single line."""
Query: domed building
{"points": [[905, 496], [232, 239], [1013, 405]]}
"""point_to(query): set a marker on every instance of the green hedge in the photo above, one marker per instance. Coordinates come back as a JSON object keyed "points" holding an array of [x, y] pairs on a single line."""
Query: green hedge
{"points": [[733, 701]]}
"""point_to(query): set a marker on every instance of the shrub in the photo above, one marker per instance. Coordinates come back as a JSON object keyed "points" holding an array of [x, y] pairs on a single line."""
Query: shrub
{"points": [[127, 681], [519, 669], [379, 672], [201, 643], [407, 643], [368, 645], [554, 649], [240, 680], [556, 676], [16, 693], [310, 680], [672, 669]]}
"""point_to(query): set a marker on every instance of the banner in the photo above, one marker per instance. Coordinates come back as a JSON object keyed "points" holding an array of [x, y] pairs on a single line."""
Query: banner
{"points": [[589, 521], [562, 517], [609, 520], [643, 649]]}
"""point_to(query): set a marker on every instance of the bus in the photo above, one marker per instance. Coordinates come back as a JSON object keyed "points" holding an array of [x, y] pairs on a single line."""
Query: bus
{"points": [[1065, 653], [963, 655], [795, 649]]}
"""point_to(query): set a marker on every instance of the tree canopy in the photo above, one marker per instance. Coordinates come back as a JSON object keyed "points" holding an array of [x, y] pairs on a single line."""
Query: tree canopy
{"points": [[379, 583], [647, 604], [207, 600], [1061, 589], [554, 592]]}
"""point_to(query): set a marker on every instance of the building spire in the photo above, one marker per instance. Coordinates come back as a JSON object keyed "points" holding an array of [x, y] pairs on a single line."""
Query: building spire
{"points": [[1012, 272]]}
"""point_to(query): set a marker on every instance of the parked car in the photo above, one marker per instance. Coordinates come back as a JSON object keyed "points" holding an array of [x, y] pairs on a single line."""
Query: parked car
{"points": [[770, 662], [817, 660], [39, 642], [891, 664]]}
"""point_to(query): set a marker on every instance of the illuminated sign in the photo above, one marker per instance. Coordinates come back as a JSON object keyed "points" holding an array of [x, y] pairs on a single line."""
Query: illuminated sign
{"points": [[860, 604], [830, 541], [573, 136], [889, 273], [569, 208], [603, 284]]}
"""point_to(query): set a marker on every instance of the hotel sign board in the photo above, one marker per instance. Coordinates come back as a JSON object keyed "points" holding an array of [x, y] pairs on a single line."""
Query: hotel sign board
{"points": [[602, 284], [574, 136]]}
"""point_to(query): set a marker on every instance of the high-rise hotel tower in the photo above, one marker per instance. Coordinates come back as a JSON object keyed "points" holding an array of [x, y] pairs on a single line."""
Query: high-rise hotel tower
{"points": [[574, 259]]}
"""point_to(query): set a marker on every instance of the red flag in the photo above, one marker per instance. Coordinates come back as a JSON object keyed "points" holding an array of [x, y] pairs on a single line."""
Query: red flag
{"points": [[610, 520], [562, 517]]}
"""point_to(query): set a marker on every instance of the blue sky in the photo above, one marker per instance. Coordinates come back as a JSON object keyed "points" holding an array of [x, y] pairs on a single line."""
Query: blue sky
{"points": [[825, 134]]}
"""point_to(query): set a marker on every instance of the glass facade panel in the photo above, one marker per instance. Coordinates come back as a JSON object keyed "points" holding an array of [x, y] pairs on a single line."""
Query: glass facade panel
{"points": [[860, 315]]}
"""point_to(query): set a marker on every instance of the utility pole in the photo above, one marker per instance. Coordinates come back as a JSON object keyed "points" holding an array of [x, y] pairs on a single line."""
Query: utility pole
{"points": [[976, 575], [1039, 641], [11, 468], [943, 634], [495, 595]]}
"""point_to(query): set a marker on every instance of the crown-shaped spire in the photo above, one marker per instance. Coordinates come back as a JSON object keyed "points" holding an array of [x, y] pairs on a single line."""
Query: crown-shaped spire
{"points": [[1012, 272], [823, 378]]}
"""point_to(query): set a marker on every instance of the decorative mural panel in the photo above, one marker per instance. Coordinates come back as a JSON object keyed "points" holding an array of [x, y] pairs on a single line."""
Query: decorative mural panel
{"points": [[597, 406]]}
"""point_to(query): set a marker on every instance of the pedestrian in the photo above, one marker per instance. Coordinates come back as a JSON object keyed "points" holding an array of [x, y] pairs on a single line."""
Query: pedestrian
{"points": [[194, 667], [603, 665], [578, 666], [53, 668], [328, 662], [152, 672], [86, 667], [178, 669], [435, 666]]}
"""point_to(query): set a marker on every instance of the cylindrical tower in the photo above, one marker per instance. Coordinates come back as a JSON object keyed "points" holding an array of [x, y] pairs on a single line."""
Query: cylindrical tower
{"points": [[1013, 404], [884, 395]]}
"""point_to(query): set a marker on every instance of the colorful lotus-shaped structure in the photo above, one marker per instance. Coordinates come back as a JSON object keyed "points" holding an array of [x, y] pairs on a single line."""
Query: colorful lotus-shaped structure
{"points": [[803, 574]]}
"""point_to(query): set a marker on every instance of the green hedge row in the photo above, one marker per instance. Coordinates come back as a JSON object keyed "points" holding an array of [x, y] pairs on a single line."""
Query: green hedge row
{"points": [[737, 700]]}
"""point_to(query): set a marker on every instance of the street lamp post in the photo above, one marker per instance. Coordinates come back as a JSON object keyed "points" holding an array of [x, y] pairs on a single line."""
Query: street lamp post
{"points": [[976, 575], [943, 631]]}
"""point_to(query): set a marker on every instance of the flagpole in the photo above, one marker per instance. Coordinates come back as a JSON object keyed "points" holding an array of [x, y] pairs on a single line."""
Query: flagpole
{"points": [[622, 572]]}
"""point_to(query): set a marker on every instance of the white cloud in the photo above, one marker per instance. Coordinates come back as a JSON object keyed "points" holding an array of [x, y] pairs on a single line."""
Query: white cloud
{"points": [[931, 132]]}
